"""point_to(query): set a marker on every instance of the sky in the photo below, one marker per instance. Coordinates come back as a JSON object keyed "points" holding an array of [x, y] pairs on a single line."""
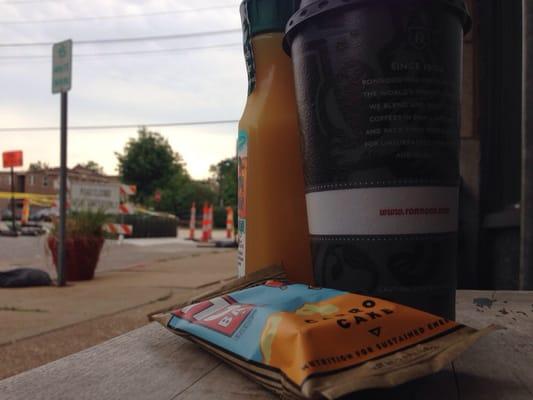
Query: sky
{"points": [[152, 87]]}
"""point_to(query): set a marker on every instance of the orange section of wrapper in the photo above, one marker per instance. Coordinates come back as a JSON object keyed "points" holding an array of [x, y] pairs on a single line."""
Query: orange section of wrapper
{"points": [[343, 332]]}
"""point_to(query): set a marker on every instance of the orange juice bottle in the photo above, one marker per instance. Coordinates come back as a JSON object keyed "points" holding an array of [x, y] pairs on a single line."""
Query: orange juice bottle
{"points": [[272, 213]]}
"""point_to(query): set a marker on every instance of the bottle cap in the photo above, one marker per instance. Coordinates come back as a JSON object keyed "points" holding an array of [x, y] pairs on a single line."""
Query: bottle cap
{"points": [[264, 16]]}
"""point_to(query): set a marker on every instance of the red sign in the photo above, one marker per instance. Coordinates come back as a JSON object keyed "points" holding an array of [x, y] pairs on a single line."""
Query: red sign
{"points": [[221, 314], [157, 196], [12, 159]]}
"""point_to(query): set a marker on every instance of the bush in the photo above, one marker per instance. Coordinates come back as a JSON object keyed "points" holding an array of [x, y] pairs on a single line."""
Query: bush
{"points": [[83, 224], [219, 217], [150, 226]]}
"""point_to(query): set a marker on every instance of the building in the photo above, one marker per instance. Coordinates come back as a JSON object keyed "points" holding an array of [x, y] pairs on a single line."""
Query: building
{"points": [[5, 182], [46, 181]]}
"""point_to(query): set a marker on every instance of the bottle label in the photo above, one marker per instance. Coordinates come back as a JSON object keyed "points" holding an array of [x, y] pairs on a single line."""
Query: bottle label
{"points": [[242, 162], [248, 49]]}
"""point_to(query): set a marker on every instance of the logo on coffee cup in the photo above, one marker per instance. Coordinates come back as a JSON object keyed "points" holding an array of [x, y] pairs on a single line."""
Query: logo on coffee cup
{"points": [[418, 37]]}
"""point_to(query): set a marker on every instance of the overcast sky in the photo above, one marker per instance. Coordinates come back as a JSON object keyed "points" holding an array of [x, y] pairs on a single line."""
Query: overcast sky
{"points": [[158, 87]]}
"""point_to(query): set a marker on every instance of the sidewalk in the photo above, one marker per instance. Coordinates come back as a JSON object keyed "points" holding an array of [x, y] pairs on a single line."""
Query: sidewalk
{"points": [[38, 325]]}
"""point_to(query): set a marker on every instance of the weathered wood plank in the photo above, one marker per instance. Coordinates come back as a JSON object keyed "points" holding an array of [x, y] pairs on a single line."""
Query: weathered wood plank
{"points": [[145, 363], [224, 383], [499, 367], [151, 363], [440, 386]]}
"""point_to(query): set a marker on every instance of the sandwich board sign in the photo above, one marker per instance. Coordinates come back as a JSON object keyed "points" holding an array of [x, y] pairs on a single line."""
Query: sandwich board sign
{"points": [[62, 66], [104, 197]]}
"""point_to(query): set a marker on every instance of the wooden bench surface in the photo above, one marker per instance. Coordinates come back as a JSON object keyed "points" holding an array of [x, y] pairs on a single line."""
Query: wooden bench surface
{"points": [[152, 363]]}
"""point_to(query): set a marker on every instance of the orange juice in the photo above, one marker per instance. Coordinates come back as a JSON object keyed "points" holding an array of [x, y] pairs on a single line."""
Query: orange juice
{"points": [[272, 213]]}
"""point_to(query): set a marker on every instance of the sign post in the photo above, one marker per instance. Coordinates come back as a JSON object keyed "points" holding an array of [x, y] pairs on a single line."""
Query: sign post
{"points": [[13, 208], [61, 83], [12, 159]]}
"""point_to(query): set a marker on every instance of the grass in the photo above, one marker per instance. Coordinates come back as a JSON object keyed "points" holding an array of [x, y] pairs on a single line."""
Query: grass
{"points": [[84, 224]]}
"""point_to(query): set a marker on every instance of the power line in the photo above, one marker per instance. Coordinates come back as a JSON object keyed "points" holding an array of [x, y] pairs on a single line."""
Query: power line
{"points": [[123, 126], [29, 1], [126, 40], [104, 17], [125, 53]]}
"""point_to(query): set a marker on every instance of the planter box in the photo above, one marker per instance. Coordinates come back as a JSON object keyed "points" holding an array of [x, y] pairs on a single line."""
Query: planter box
{"points": [[81, 258]]}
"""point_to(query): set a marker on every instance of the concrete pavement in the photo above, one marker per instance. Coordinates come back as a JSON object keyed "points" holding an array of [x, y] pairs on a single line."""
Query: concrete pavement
{"points": [[38, 325]]}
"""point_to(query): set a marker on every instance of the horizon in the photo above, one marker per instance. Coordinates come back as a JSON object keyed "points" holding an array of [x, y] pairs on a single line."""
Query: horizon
{"points": [[26, 169]]}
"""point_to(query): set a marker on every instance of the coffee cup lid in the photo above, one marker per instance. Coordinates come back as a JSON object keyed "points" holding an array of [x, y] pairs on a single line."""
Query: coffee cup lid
{"points": [[313, 8]]}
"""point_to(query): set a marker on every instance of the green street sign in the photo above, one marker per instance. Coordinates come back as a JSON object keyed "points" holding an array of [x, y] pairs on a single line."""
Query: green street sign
{"points": [[62, 66]]}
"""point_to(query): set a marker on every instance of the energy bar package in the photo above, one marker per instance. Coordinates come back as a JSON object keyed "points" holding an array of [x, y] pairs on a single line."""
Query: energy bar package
{"points": [[307, 342]]}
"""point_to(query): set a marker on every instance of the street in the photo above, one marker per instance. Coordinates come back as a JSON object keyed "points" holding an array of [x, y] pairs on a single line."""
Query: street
{"points": [[32, 252]]}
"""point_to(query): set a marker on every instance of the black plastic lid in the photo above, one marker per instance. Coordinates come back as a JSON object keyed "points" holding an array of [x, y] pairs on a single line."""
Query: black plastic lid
{"points": [[312, 8], [267, 15]]}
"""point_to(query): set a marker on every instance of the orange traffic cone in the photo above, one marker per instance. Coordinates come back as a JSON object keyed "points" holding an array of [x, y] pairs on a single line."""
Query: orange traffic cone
{"points": [[25, 216], [229, 222], [205, 223], [211, 222], [192, 222]]}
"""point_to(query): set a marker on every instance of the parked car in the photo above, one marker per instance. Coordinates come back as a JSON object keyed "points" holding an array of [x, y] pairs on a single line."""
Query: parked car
{"points": [[6, 214], [36, 214], [44, 214]]}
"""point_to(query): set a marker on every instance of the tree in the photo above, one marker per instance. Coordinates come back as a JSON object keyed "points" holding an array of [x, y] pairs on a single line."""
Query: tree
{"points": [[93, 166], [149, 162], [38, 166], [178, 196], [224, 174]]}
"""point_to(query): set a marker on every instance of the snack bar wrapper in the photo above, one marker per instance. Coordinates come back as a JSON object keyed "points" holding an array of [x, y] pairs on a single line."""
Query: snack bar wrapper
{"points": [[308, 342]]}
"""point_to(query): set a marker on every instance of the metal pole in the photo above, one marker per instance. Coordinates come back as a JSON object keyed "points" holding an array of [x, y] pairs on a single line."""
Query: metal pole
{"points": [[62, 193], [13, 216], [526, 259]]}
